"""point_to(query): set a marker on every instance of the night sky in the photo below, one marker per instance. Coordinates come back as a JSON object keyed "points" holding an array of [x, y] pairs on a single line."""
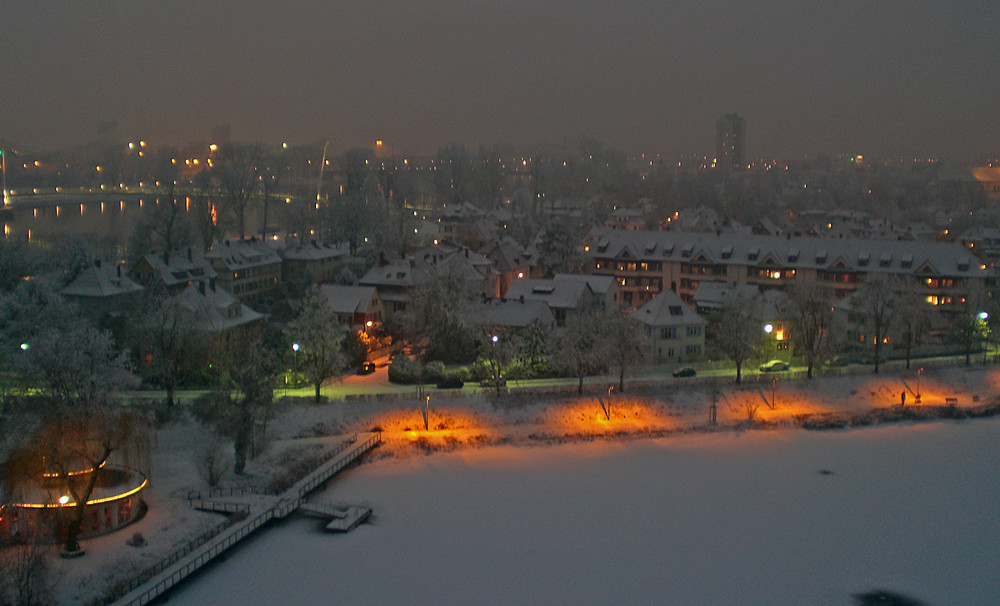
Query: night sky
{"points": [[894, 79]]}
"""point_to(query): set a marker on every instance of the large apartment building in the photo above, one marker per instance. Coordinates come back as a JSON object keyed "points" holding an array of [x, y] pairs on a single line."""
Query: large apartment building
{"points": [[646, 262]]}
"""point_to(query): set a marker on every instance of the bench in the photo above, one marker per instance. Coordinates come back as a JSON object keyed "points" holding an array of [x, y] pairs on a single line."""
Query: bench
{"points": [[951, 401]]}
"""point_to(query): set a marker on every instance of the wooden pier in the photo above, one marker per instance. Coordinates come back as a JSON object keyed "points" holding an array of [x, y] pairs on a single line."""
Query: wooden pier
{"points": [[151, 585]]}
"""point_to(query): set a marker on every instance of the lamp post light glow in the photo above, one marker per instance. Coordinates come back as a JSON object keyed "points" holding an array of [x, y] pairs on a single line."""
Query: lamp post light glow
{"points": [[768, 328], [919, 371]]}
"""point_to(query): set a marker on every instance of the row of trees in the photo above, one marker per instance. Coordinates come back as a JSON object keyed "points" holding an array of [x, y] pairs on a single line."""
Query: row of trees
{"points": [[880, 314]]}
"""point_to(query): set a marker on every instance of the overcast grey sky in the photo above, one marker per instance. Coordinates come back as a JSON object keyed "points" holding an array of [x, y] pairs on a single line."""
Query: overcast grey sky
{"points": [[915, 78]]}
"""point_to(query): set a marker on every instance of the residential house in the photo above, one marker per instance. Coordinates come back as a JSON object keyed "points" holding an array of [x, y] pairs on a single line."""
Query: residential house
{"points": [[673, 332], [498, 315], [172, 270], [359, 308], [563, 296], [313, 262], [249, 269], [101, 291]]}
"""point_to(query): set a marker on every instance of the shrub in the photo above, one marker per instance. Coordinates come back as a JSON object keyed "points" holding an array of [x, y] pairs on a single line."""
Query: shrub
{"points": [[433, 372], [480, 370], [404, 370]]}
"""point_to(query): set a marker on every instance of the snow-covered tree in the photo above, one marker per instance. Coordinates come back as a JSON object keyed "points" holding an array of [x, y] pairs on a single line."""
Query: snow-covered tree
{"points": [[739, 335], [319, 338]]}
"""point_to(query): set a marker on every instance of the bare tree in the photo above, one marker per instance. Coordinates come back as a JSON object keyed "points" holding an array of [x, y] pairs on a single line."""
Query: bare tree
{"points": [[81, 423], [919, 319], [205, 210], [739, 335], [270, 179], [875, 304], [812, 312], [624, 341], [240, 178], [319, 336], [584, 344], [245, 398], [166, 341], [25, 577], [499, 350]]}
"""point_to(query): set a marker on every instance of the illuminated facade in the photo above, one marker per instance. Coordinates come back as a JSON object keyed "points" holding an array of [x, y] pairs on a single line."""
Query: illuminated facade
{"points": [[645, 263]]}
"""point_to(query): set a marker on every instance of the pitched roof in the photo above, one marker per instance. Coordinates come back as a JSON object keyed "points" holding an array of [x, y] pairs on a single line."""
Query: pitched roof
{"points": [[509, 313], [348, 299], [858, 254], [214, 310], [315, 251], [243, 254], [667, 309], [559, 294], [599, 284], [101, 281], [180, 267]]}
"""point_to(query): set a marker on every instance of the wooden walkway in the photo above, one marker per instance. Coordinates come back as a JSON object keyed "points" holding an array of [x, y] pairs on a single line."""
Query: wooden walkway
{"points": [[279, 507], [341, 517]]}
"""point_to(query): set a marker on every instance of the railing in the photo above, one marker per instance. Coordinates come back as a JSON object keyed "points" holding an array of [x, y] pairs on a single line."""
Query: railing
{"points": [[308, 484], [227, 507], [216, 493], [279, 510]]}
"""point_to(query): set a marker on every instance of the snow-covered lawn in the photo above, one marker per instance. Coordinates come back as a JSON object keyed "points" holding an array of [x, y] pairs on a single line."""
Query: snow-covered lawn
{"points": [[546, 500]]}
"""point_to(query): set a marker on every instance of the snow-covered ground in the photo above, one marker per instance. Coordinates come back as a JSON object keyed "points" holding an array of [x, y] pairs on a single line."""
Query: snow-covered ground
{"points": [[787, 517], [547, 500]]}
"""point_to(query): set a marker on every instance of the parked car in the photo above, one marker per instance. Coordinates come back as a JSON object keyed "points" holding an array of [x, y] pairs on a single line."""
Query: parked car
{"points": [[774, 366], [451, 383], [684, 371], [367, 368]]}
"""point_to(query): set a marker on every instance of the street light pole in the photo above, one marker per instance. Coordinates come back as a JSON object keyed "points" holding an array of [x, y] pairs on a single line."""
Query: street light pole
{"points": [[919, 370], [774, 380]]}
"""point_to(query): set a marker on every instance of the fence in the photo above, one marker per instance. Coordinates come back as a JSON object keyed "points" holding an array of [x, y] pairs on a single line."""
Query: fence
{"points": [[285, 506]]}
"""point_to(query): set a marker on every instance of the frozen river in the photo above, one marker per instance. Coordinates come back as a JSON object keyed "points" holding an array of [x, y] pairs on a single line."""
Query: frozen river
{"points": [[782, 517]]}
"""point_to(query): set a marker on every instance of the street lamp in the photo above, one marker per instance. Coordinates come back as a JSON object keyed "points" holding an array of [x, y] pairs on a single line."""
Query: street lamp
{"points": [[774, 380], [919, 371]]}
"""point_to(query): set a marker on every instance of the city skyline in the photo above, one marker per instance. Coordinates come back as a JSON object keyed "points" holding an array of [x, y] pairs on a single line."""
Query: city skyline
{"points": [[809, 79]]}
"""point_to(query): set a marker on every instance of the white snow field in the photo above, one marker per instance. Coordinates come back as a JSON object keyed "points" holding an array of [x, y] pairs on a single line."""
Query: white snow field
{"points": [[752, 517]]}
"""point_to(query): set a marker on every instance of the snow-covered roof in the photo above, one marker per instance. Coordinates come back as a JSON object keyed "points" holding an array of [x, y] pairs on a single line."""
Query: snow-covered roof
{"points": [[559, 294], [509, 313], [101, 281], [851, 254], [599, 284], [237, 255], [179, 267], [212, 309], [667, 309], [349, 299], [315, 251]]}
